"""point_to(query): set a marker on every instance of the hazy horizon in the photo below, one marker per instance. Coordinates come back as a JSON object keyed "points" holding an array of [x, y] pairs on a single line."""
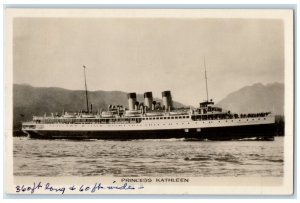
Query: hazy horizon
{"points": [[144, 54]]}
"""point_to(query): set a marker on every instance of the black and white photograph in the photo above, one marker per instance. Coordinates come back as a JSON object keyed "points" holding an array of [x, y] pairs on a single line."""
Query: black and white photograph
{"points": [[149, 101]]}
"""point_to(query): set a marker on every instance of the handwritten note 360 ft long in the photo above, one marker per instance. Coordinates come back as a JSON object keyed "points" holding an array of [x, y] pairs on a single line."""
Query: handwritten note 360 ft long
{"points": [[83, 188]]}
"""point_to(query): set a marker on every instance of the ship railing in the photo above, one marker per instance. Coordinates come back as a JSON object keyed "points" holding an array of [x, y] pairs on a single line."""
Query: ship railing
{"points": [[121, 120], [224, 116], [254, 115]]}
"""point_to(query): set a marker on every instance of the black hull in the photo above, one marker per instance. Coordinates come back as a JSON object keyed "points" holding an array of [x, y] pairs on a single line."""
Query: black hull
{"points": [[259, 132]]}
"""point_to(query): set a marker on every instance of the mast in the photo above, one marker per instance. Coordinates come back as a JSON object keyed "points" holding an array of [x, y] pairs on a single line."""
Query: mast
{"points": [[86, 92], [206, 80]]}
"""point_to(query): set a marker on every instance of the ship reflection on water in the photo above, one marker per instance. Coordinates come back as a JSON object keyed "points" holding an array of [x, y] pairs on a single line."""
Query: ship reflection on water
{"points": [[170, 157]]}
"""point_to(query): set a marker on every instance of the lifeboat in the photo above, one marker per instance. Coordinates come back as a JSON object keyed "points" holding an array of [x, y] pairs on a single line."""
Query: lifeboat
{"points": [[154, 114], [88, 116], [67, 115], [107, 114], [132, 113], [177, 113]]}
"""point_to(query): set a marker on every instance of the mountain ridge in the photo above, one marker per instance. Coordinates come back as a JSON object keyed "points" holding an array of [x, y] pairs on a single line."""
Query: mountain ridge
{"points": [[256, 97]]}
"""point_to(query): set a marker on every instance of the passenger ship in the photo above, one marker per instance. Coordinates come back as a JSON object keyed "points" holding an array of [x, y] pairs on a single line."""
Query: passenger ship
{"points": [[152, 120]]}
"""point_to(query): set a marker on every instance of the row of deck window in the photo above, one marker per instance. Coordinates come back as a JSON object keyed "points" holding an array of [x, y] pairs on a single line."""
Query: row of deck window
{"points": [[108, 120], [164, 118]]}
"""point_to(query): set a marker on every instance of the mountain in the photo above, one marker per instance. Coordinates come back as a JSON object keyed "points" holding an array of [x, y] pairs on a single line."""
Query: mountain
{"points": [[28, 101], [256, 98]]}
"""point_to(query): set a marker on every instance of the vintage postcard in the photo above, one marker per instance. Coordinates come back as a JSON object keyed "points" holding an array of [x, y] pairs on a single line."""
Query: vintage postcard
{"points": [[149, 101]]}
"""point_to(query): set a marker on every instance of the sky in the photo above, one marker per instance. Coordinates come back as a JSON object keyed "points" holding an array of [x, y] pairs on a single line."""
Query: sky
{"points": [[149, 54]]}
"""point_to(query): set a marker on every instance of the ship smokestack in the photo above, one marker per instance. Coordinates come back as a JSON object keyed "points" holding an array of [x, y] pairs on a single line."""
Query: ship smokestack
{"points": [[148, 99], [167, 100], [131, 100]]}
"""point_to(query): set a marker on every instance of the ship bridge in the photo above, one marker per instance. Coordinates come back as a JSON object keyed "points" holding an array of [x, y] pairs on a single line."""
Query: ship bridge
{"points": [[208, 107], [206, 103]]}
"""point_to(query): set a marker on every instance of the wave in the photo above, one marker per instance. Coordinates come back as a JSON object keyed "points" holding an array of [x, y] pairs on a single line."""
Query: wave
{"points": [[227, 159], [275, 160], [197, 159]]}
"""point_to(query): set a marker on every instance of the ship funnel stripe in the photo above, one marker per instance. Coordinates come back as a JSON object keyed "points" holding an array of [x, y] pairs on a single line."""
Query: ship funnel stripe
{"points": [[148, 95], [131, 95], [166, 93]]}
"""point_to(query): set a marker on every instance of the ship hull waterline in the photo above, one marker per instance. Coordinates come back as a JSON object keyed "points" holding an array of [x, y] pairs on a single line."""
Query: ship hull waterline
{"points": [[260, 132]]}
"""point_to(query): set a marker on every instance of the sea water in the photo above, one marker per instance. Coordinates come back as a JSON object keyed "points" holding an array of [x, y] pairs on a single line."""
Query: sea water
{"points": [[134, 158]]}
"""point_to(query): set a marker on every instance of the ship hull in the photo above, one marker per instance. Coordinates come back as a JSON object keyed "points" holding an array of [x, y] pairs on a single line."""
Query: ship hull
{"points": [[260, 132]]}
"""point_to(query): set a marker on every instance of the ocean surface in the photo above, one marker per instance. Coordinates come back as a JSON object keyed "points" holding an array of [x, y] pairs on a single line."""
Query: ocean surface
{"points": [[171, 157]]}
